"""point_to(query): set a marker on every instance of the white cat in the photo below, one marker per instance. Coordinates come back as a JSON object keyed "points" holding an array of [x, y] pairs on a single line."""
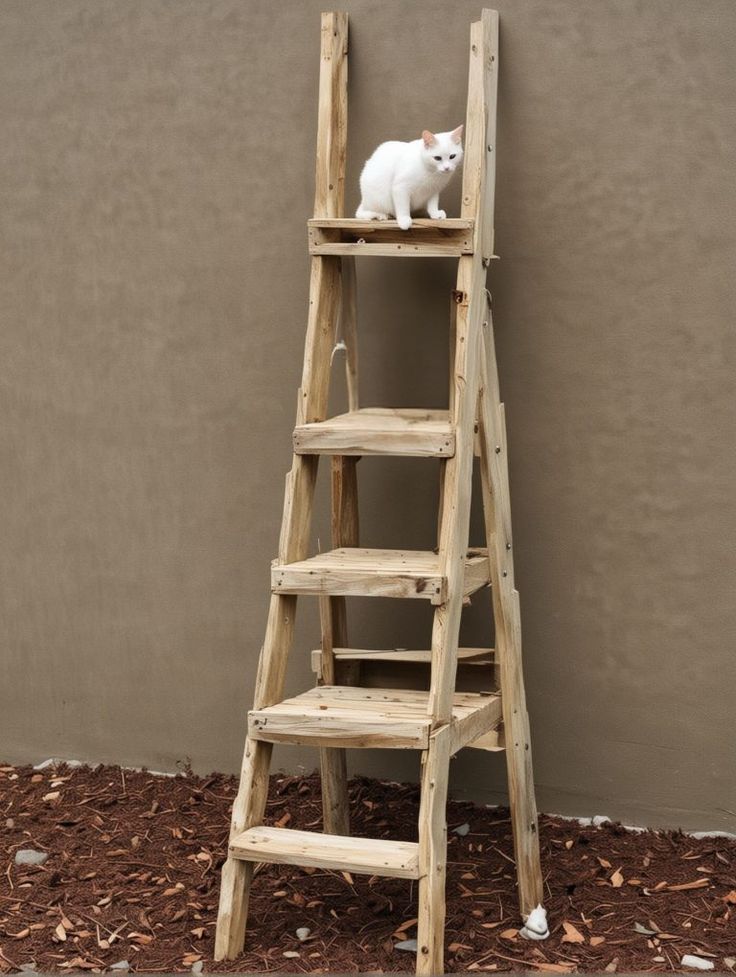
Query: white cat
{"points": [[401, 177]]}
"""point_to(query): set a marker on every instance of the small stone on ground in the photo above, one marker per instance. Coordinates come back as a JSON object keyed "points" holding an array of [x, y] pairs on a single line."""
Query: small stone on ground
{"points": [[29, 856]]}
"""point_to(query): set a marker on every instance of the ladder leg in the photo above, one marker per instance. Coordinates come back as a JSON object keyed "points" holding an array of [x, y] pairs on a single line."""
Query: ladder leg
{"points": [[521, 785], [237, 875], [497, 512], [345, 532], [453, 544], [433, 856], [333, 613], [250, 802], [333, 760]]}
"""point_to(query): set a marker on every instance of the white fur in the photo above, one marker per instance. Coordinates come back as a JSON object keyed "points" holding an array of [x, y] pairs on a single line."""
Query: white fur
{"points": [[404, 177]]}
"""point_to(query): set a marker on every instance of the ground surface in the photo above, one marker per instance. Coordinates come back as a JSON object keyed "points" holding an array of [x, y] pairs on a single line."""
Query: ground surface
{"points": [[132, 874]]}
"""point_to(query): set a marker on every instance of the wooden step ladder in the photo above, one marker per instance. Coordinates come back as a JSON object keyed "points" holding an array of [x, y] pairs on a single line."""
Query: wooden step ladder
{"points": [[339, 712]]}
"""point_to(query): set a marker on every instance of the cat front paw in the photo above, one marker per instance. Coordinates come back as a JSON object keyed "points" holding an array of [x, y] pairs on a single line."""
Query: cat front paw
{"points": [[404, 223], [437, 215]]}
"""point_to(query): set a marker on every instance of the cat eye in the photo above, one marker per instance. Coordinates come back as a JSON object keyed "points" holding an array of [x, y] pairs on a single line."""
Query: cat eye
{"points": [[438, 158], [452, 156]]}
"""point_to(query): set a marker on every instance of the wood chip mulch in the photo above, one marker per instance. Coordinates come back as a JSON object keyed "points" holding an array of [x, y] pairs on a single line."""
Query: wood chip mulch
{"points": [[132, 874]]}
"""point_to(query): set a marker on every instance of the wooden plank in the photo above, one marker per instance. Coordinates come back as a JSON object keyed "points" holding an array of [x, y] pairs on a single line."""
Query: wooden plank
{"points": [[375, 559], [497, 512], [492, 741], [324, 304], [400, 700], [333, 763], [354, 729], [369, 573], [248, 808], [378, 573], [249, 805], [349, 329], [469, 297], [466, 656], [333, 617], [420, 225], [391, 419], [477, 574], [455, 517], [387, 703], [485, 717], [397, 249], [454, 527], [332, 118], [474, 159], [369, 856], [489, 20], [426, 238], [432, 856], [379, 431], [367, 717]]}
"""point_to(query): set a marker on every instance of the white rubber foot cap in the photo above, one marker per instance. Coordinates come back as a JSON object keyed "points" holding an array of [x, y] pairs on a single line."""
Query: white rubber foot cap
{"points": [[535, 926]]}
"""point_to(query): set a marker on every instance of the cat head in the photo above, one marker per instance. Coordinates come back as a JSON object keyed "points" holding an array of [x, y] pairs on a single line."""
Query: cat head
{"points": [[442, 150]]}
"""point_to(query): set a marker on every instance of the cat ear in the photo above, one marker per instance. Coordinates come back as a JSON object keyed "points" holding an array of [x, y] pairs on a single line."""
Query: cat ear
{"points": [[457, 134], [429, 138]]}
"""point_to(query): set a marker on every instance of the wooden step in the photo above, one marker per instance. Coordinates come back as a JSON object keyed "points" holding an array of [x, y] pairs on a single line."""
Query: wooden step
{"points": [[379, 431], [349, 716], [465, 656], [358, 572], [425, 238], [368, 856]]}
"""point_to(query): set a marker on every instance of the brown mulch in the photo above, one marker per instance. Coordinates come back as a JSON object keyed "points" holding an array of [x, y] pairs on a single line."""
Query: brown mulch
{"points": [[133, 864]]}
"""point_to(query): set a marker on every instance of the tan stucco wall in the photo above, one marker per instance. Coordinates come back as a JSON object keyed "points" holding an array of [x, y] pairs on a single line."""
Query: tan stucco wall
{"points": [[156, 170]]}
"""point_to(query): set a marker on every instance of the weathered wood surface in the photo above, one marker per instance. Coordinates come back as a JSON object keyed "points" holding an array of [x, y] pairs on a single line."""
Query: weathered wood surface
{"points": [[469, 297], [361, 718], [410, 574], [349, 329], [420, 225], [369, 856], [432, 856], [426, 238], [506, 614], [325, 288], [468, 656], [345, 530], [379, 431]]}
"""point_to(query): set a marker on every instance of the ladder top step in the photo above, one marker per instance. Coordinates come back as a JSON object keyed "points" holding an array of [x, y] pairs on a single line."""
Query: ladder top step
{"points": [[425, 238], [403, 431], [419, 224], [369, 856], [361, 572], [357, 717]]}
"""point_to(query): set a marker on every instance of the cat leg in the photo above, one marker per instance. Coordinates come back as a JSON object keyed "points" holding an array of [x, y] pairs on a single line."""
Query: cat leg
{"points": [[433, 208], [364, 214], [402, 209]]}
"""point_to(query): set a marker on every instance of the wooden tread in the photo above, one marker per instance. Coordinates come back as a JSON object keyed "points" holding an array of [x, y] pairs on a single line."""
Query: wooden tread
{"points": [[369, 856], [465, 656], [379, 431], [358, 572], [425, 238], [349, 716]]}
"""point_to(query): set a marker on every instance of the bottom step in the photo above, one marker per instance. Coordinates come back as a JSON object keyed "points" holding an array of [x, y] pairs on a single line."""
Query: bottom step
{"points": [[368, 856]]}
